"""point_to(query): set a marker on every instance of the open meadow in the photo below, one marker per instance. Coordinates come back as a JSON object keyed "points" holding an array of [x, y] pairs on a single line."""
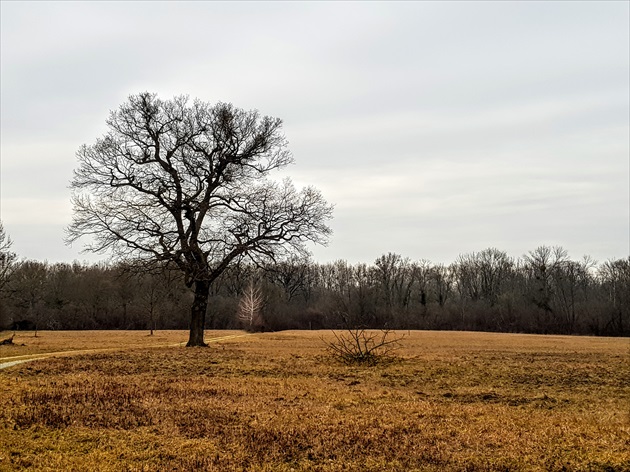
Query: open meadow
{"points": [[462, 401]]}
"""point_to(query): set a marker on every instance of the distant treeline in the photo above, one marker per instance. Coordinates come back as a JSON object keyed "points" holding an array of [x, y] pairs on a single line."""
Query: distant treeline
{"points": [[543, 292]]}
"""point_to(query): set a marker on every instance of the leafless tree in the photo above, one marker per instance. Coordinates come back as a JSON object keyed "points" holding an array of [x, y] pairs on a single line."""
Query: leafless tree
{"points": [[153, 295], [615, 278], [186, 184], [421, 277], [572, 281], [544, 266], [441, 279], [28, 288], [481, 275], [8, 259], [292, 275], [250, 307], [390, 271]]}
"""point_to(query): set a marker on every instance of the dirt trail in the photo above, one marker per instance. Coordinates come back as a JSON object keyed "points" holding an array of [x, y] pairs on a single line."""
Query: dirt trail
{"points": [[6, 362]]}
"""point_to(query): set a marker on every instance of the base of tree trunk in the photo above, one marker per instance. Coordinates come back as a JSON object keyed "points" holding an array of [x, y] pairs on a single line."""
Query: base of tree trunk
{"points": [[198, 314]]}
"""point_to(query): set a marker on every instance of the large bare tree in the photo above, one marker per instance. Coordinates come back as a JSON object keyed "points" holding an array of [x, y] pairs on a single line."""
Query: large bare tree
{"points": [[186, 183]]}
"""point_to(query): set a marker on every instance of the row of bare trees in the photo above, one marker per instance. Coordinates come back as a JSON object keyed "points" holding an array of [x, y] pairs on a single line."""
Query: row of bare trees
{"points": [[543, 292], [79, 296]]}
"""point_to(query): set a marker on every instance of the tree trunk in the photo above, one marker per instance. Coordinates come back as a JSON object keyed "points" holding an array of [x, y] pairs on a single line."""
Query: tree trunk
{"points": [[198, 314]]}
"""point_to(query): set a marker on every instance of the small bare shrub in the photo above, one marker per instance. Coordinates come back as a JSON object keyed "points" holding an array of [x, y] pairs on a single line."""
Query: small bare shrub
{"points": [[363, 347]]}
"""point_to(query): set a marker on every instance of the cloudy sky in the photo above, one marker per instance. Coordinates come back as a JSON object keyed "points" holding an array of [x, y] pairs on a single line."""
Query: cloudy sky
{"points": [[436, 128]]}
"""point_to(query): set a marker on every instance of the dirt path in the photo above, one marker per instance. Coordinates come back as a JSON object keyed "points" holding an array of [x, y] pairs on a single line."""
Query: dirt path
{"points": [[6, 362]]}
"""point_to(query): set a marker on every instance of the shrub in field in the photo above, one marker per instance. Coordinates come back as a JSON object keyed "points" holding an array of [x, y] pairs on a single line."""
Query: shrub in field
{"points": [[364, 347]]}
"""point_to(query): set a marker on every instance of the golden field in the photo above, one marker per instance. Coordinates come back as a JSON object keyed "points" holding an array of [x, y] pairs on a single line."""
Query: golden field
{"points": [[125, 401]]}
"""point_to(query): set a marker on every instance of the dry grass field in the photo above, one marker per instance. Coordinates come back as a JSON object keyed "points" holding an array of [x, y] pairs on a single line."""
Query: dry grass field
{"points": [[276, 402]]}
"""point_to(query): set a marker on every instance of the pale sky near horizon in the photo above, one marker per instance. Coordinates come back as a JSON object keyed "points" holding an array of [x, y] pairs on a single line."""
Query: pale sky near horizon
{"points": [[436, 128]]}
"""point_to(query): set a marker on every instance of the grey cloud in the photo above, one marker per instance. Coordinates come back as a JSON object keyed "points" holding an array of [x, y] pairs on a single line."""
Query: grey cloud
{"points": [[435, 127]]}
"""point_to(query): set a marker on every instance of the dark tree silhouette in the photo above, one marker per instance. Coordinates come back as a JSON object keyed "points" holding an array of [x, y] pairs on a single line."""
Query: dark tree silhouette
{"points": [[8, 259], [186, 184]]}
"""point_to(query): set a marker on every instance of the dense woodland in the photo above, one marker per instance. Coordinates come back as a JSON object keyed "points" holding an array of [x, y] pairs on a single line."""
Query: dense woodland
{"points": [[545, 291]]}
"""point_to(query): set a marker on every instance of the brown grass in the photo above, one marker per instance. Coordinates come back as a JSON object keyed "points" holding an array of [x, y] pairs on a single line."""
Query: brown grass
{"points": [[275, 402], [26, 343]]}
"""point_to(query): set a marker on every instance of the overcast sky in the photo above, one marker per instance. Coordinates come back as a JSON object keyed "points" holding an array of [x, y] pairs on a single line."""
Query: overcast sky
{"points": [[436, 128]]}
